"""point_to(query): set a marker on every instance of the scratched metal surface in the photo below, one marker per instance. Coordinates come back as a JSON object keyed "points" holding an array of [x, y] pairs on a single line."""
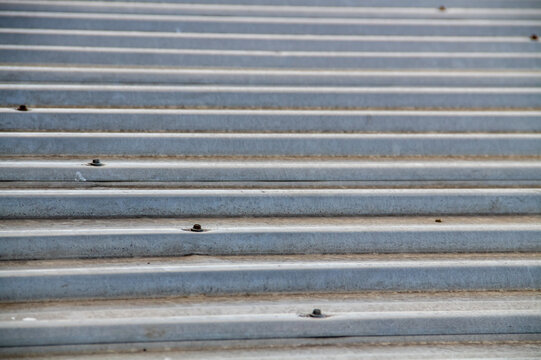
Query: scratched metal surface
{"points": [[376, 160]]}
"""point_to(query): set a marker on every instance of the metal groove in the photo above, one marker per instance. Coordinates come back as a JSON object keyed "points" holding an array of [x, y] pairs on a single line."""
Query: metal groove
{"points": [[110, 281], [268, 25], [266, 77], [271, 10], [505, 4], [223, 120], [324, 202], [267, 326], [273, 239], [265, 42], [269, 97], [271, 59], [203, 144], [270, 170]]}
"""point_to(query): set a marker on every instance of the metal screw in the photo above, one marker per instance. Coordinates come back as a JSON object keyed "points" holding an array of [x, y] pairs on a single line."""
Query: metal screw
{"points": [[316, 313], [22, 108], [196, 228], [96, 162], [534, 37], [442, 8], [438, 220]]}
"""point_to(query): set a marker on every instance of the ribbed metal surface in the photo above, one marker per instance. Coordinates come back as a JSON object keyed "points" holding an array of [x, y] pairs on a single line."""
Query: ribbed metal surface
{"points": [[252, 170], [379, 161], [227, 120], [122, 238], [271, 202]]}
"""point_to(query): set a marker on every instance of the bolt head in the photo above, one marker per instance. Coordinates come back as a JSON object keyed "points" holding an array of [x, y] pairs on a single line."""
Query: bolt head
{"points": [[22, 108], [316, 313], [95, 162], [196, 228]]}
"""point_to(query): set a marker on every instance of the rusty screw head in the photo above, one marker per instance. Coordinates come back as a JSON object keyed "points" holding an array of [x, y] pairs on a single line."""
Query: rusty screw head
{"points": [[316, 313], [22, 108], [438, 220], [96, 162], [196, 228], [534, 37], [442, 8]]}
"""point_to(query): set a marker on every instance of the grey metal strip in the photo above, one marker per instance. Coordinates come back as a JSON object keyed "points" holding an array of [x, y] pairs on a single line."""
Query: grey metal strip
{"points": [[266, 59], [139, 280], [267, 326], [279, 77], [372, 3], [267, 304], [153, 39], [403, 347], [192, 120], [269, 96], [273, 170], [204, 144], [383, 10], [268, 25], [274, 239], [16, 204]]}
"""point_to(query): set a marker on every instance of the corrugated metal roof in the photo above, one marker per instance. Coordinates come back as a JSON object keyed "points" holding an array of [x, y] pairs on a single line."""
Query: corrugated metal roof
{"points": [[376, 160]]}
